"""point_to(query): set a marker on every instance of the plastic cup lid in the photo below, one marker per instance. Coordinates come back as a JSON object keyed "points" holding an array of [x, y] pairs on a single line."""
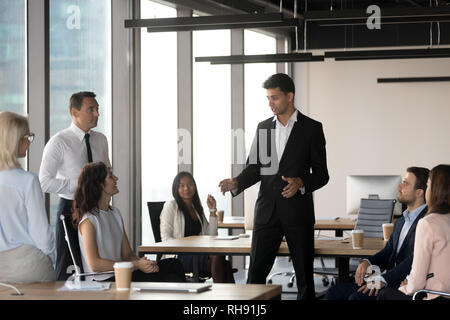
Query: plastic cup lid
{"points": [[125, 264]]}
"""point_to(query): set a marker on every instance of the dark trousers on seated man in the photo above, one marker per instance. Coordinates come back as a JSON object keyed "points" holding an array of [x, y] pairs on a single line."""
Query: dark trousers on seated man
{"points": [[348, 291], [63, 258]]}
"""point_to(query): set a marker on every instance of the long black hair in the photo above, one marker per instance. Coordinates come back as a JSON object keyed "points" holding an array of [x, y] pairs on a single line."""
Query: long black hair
{"points": [[195, 200]]}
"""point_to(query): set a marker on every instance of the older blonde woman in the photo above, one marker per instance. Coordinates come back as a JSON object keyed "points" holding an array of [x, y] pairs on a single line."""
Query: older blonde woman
{"points": [[27, 248]]}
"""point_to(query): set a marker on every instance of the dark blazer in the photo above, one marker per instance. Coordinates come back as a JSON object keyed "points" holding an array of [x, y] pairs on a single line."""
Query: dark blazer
{"points": [[398, 265], [304, 156]]}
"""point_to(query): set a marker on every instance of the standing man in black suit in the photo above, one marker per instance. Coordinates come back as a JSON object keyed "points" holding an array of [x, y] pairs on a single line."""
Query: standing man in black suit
{"points": [[288, 157]]}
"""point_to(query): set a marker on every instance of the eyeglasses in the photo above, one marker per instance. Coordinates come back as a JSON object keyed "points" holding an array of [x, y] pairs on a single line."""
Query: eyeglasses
{"points": [[30, 137]]}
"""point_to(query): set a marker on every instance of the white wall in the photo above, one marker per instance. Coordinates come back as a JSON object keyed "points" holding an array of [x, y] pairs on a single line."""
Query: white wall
{"points": [[373, 128]]}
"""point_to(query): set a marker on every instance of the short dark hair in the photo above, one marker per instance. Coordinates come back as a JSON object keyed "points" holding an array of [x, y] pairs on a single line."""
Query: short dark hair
{"points": [[280, 80], [440, 189], [421, 177], [76, 100]]}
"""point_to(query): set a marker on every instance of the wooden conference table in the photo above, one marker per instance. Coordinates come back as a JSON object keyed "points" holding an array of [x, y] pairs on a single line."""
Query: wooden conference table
{"points": [[338, 225], [342, 250], [218, 291]]}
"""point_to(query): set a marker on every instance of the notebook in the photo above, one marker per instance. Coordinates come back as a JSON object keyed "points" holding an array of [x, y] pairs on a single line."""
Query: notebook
{"points": [[172, 287]]}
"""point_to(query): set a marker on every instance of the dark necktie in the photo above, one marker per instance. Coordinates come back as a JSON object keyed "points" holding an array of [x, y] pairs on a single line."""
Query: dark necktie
{"points": [[88, 147]]}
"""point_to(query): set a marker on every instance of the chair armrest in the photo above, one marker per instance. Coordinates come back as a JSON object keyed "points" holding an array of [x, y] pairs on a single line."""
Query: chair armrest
{"points": [[441, 293]]}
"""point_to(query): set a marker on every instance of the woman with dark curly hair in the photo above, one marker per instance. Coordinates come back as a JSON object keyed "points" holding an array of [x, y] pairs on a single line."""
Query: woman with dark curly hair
{"points": [[102, 237]]}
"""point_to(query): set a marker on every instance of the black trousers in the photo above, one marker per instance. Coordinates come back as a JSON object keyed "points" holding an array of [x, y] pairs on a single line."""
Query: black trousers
{"points": [[395, 294], [170, 270], [266, 240], [63, 258]]}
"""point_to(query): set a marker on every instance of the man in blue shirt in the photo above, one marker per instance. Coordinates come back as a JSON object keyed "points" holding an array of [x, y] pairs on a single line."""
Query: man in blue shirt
{"points": [[397, 256]]}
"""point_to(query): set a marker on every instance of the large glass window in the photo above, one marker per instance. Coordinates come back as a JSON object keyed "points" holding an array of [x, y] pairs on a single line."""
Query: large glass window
{"points": [[159, 148], [80, 60], [13, 56], [256, 106], [212, 117], [13, 61]]}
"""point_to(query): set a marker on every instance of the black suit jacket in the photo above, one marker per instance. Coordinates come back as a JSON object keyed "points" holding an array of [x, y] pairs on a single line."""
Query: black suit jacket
{"points": [[304, 156], [397, 266]]}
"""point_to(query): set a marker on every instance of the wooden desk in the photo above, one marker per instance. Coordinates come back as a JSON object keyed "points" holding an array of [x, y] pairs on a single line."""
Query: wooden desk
{"points": [[219, 291], [337, 225], [342, 250], [232, 223]]}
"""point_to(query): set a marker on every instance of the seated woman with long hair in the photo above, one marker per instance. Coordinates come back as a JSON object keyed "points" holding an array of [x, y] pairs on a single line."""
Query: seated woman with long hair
{"points": [[102, 237], [432, 244], [27, 248], [183, 217]]}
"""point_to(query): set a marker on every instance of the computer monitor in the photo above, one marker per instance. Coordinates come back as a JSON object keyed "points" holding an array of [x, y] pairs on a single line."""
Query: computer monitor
{"points": [[372, 186]]}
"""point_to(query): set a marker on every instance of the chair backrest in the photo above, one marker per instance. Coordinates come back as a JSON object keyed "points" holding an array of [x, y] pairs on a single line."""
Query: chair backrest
{"points": [[372, 214], [72, 242], [154, 209]]}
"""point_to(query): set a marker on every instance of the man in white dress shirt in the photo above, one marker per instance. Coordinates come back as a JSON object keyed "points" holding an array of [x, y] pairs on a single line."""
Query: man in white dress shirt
{"points": [[64, 156]]}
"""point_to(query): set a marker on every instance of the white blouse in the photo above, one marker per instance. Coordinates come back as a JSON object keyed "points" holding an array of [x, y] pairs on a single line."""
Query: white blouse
{"points": [[109, 234], [23, 219]]}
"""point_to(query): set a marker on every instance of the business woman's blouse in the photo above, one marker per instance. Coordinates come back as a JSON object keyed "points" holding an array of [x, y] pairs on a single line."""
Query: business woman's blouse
{"points": [[23, 219], [431, 256]]}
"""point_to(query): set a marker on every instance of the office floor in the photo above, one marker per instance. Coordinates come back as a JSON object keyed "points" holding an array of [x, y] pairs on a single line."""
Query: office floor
{"points": [[283, 265]]}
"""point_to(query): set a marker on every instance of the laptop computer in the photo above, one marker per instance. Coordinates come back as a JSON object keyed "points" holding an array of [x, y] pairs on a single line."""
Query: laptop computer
{"points": [[172, 287]]}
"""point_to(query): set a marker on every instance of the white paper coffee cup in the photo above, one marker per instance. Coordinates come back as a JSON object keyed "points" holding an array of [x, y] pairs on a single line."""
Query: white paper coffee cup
{"points": [[122, 272], [358, 239]]}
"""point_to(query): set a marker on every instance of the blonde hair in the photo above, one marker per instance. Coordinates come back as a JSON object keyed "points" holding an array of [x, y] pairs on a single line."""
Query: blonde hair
{"points": [[13, 127]]}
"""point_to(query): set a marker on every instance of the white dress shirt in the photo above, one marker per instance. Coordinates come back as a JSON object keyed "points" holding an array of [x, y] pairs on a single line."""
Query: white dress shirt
{"points": [[109, 235], [23, 219], [409, 217], [282, 134], [64, 156]]}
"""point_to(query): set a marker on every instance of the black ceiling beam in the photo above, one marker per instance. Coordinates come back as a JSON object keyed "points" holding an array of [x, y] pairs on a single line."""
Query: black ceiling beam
{"points": [[261, 58], [213, 22], [388, 54], [388, 15], [413, 79]]}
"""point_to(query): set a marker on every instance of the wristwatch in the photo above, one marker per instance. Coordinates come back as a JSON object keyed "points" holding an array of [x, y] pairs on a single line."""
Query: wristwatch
{"points": [[212, 210]]}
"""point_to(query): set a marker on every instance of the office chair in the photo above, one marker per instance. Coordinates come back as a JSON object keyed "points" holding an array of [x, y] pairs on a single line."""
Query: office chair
{"points": [[75, 252], [419, 295], [154, 210], [372, 214]]}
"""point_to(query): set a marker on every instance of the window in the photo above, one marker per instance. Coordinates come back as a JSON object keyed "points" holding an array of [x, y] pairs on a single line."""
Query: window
{"points": [[158, 112], [12, 56], [13, 67], [256, 106], [212, 117], [80, 60]]}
